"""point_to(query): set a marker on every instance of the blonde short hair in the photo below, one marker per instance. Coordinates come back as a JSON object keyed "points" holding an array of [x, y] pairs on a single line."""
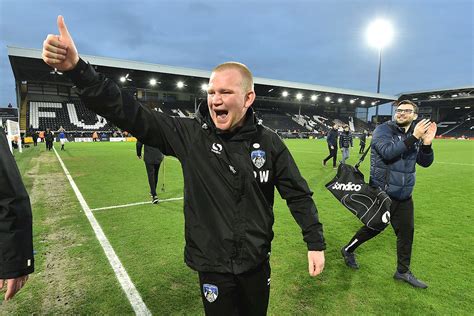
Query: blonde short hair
{"points": [[247, 77]]}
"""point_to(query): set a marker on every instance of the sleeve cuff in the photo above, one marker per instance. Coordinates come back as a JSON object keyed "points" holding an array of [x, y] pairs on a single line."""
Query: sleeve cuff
{"points": [[426, 149], [16, 269], [83, 75], [316, 246]]}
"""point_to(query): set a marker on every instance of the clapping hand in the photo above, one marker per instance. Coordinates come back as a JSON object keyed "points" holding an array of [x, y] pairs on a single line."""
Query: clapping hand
{"points": [[421, 128], [429, 134]]}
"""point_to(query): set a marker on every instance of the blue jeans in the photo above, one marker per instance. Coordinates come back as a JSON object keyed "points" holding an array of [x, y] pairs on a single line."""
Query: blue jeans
{"points": [[345, 154]]}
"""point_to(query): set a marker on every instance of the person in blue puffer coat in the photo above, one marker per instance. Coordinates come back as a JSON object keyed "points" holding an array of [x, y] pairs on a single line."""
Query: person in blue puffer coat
{"points": [[397, 146]]}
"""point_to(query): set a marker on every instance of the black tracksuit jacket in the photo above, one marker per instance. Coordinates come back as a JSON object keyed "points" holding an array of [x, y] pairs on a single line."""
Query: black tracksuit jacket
{"points": [[16, 241], [332, 137], [229, 178]]}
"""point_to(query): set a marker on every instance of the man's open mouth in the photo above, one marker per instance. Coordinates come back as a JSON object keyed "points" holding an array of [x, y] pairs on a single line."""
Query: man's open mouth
{"points": [[221, 114]]}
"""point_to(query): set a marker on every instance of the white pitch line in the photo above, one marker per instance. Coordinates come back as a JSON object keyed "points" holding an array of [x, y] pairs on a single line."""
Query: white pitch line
{"points": [[308, 151], [454, 163], [128, 287], [133, 204]]}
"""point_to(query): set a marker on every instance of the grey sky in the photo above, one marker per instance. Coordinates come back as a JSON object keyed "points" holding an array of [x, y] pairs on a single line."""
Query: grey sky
{"points": [[318, 42]]}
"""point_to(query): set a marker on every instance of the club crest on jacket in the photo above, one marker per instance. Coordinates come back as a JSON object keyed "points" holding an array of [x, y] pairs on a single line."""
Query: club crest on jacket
{"points": [[258, 158], [210, 292]]}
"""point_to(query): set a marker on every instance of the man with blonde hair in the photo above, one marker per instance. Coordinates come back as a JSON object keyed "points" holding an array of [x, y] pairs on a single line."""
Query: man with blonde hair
{"points": [[247, 77], [231, 165]]}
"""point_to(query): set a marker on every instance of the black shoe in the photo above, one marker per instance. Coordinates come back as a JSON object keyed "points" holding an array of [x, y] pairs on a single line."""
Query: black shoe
{"points": [[154, 200], [349, 259], [409, 278], [324, 163]]}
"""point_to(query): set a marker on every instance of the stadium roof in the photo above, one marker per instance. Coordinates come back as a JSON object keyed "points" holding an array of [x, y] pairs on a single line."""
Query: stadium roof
{"points": [[27, 65], [453, 94]]}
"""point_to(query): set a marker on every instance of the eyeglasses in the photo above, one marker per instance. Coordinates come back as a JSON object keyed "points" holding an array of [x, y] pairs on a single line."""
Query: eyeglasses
{"points": [[407, 111]]}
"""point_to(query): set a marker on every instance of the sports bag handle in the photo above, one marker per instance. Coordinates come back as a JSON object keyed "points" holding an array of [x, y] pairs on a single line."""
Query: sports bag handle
{"points": [[362, 158]]}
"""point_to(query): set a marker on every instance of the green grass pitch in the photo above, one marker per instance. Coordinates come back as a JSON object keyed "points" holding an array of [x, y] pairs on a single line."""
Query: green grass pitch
{"points": [[73, 276]]}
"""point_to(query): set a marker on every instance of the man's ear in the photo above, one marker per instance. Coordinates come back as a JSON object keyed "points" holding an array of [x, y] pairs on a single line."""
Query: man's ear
{"points": [[415, 117], [249, 98]]}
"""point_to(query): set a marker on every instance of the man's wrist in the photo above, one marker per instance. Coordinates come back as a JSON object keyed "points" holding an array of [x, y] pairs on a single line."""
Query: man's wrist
{"points": [[82, 75], [426, 148], [76, 62]]}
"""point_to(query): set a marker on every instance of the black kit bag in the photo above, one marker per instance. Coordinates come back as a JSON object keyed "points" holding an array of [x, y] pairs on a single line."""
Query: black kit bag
{"points": [[370, 204]]}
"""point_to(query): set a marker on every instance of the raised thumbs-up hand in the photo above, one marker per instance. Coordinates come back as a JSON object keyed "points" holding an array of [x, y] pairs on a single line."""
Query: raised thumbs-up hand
{"points": [[59, 51]]}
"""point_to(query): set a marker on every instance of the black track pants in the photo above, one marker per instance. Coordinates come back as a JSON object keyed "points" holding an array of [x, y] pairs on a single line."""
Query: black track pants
{"points": [[242, 294], [332, 154], [403, 224], [152, 173]]}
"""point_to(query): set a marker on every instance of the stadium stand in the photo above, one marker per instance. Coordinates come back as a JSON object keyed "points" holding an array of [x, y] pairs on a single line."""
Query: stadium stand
{"points": [[47, 98], [49, 111], [457, 123], [309, 119], [9, 114], [451, 108]]}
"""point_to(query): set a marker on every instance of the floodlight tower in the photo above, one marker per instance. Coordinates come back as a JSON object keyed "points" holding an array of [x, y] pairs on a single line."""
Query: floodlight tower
{"points": [[379, 35]]}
